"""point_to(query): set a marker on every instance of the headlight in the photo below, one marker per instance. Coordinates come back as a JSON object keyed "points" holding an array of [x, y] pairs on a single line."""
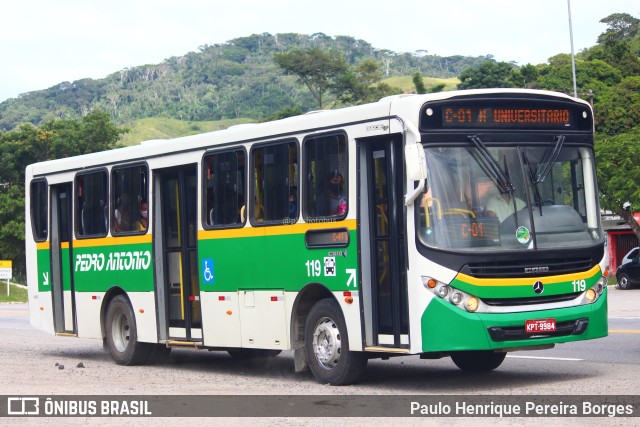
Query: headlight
{"points": [[456, 297], [443, 291], [471, 304], [459, 298]]}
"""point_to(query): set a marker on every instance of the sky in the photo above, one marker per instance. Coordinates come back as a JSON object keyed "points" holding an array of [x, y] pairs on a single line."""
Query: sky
{"points": [[45, 42]]}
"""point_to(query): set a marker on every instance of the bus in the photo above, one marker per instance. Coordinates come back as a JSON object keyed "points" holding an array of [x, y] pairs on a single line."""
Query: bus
{"points": [[460, 224]]}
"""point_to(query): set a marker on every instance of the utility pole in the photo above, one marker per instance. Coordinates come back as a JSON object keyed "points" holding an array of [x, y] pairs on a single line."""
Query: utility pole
{"points": [[573, 57]]}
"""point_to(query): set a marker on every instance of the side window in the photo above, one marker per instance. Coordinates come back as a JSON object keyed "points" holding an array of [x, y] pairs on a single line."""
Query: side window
{"points": [[39, 210], [325, 161], [275, 183], [130, 207], [92, 204], [225, 203]]}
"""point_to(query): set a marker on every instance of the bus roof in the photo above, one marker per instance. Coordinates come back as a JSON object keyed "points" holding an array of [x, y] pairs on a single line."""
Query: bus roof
{"points": [[396, 105]]}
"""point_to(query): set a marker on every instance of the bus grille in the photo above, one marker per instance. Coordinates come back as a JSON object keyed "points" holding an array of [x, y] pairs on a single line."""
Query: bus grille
{"points": [[510, 302], [527, 268]]}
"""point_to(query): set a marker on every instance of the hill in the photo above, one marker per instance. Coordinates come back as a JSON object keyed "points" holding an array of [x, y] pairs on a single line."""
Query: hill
{"points": [[229, 81]]}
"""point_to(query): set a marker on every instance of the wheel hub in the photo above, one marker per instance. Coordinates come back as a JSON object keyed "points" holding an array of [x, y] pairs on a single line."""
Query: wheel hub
{"points": [[121, 332], [327, 345]]}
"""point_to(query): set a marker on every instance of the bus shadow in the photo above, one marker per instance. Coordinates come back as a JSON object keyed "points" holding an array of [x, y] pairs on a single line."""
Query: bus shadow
{"points": [[403, 375]]}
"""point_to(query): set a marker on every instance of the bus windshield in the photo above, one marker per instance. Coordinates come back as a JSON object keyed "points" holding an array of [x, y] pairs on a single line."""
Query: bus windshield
{"points": [[517, 197]]}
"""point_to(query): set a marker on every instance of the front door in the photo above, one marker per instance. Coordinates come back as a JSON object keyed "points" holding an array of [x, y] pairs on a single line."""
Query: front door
{"points": [[178, 230], [384, 235], [62, 289]]}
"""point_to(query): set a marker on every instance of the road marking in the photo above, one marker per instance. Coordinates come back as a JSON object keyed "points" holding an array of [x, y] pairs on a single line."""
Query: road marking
{"points": [[570, 359], [624, 331]]}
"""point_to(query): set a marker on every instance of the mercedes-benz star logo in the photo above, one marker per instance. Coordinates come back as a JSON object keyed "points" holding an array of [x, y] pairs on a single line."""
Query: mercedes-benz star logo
{"points": [[538, 287]]}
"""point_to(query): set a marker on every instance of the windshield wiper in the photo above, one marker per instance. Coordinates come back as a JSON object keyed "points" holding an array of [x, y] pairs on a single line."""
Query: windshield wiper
{"points": [[549, 160], [534, 181], [501, 177]]}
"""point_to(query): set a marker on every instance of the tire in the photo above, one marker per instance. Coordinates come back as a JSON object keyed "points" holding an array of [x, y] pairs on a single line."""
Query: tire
{"points": [[327, 346], [623, 282], [122, 335], [253, 353], [478, 361]]}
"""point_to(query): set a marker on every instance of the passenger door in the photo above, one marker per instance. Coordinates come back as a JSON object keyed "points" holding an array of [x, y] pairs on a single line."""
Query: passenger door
{"points": [[62, 287]]}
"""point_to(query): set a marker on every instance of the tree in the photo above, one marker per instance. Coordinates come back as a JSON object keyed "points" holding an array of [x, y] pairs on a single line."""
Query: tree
{"points": [[618, 109], [618, 158], [419, 83], [488, 74], [318, 69], [28, 144], [621, 26], [362, 85]]}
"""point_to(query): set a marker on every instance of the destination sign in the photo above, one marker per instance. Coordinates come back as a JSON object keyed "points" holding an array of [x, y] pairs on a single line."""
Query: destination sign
{"points": [[507, 117], [334, 237], [521, 114]]}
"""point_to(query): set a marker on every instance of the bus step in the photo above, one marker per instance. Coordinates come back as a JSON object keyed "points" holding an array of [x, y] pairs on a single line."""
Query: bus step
{"points": [[194, 344], [66, 334]]}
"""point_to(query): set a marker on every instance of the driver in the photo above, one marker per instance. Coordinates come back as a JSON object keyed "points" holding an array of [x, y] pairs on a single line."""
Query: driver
{"points": [[503, 205]]}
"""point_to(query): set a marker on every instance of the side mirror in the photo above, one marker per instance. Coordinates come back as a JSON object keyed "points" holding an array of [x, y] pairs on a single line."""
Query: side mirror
{"points": [[416, 171], [416, 162]]}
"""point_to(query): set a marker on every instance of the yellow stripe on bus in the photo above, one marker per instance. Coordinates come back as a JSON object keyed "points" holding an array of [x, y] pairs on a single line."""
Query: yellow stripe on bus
{"points": [[527, 281], [226, 233], [298, 228], [101, 241]]}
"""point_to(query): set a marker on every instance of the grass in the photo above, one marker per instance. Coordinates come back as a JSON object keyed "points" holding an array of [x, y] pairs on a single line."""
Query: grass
{"points": [[405, 83], [16, 293], [163, 128]]}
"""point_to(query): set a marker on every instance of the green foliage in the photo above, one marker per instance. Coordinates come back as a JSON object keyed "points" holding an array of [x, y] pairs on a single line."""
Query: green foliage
{"points": [[362, 85], [28, 144], [419, 83], [233, 80], [618, 158], [321, 71], [488, 74], [16, 294], [618, 109], [618, 172], [162, 128], [621, 27]]}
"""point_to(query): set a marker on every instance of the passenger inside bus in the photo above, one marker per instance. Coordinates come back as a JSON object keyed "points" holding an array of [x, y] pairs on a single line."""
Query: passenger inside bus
{"points": [[143, 220], [332, 200], [122, 215]]}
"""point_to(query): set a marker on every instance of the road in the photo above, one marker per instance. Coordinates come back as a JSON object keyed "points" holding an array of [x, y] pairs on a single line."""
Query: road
{"points": [[30, 364]]}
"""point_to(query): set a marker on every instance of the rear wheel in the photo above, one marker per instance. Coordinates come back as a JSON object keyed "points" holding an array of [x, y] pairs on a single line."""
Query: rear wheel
{"points": [[478, 361], [623, 281], [122, 335], [327, 346]]}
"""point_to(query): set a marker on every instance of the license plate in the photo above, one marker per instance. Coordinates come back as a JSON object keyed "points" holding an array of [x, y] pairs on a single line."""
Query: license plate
{"points": [[540, 325]]}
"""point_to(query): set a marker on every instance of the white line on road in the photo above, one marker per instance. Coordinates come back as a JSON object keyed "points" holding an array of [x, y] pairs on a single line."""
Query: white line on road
{"points": [[570, 359]]}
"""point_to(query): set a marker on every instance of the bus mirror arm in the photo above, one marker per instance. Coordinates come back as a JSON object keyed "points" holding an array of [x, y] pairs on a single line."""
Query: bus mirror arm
{"points": [[409, 198]]}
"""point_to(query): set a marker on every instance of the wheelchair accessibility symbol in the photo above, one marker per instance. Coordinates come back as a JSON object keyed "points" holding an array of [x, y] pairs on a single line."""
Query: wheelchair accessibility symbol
{"points": [[207, 271]]}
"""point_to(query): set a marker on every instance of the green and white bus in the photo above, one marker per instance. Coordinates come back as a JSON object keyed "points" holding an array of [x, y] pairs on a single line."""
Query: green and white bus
{"points": [[462, 224]]}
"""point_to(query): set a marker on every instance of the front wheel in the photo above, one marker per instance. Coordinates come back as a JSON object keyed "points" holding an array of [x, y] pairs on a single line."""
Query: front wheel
{"points": [[122, 334], [327, 346], [478, 361], [623, 282]]}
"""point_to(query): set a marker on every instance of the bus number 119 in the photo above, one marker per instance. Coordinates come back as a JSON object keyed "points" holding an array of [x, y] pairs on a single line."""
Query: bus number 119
{"points": [[313, 268]]}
